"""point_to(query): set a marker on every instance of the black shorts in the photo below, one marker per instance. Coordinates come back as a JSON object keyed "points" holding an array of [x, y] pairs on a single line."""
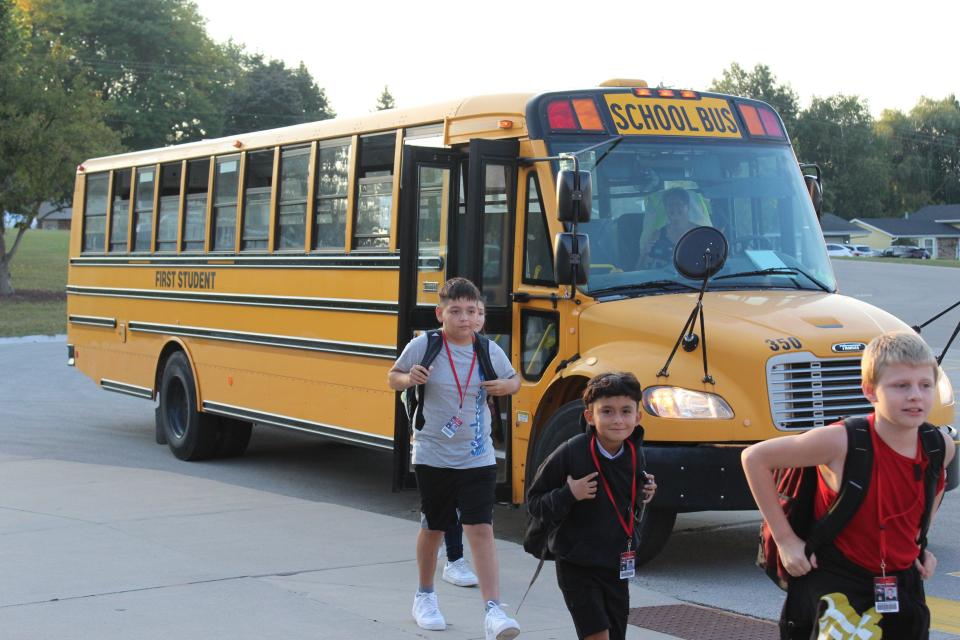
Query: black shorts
{"points": [[443, 492], [597, 598]]}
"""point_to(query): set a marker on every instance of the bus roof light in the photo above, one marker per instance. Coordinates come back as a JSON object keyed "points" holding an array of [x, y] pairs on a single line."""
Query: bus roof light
{"points": [[560, 115], [771, 123], [751, 118], [666, 93], [505, 124], [687, 93], [643, 93], [80, 168], [587, 113]]}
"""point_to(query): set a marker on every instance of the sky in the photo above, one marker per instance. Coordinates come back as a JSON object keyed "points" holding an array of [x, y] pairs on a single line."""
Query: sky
{"points": [[428, 51]]}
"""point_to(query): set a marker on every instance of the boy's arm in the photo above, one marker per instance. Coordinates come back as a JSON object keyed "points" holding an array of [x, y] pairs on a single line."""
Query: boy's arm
{"points": [[400, 380], [820, 446], [502, 386], [929, 561], [549, 496]]}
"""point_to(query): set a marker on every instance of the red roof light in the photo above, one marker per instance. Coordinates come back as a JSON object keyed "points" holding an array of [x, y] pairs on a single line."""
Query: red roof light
{"points": [[560, 115]]}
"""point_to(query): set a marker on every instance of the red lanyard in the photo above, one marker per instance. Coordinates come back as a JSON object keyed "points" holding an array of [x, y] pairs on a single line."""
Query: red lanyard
{"points": [[460, 390], [628, 529], [881, 520]]}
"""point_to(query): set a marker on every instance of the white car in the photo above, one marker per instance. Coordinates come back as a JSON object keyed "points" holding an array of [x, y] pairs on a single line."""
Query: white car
{"points": [[839, 250], [865, 250]]}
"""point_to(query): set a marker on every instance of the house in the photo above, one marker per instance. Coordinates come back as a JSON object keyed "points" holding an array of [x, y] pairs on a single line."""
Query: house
{"points": [[53, 216], [943, 213], [836, 229], [940, 239]]}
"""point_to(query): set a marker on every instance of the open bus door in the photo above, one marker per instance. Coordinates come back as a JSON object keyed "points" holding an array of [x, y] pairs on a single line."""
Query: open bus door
{"points": [[448, 202]]}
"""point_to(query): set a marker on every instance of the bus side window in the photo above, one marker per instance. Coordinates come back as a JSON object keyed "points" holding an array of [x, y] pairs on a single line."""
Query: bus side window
{"points": [[169, 208], [374, 191], [225, 182], [143, 208], [330, 208], [538, 331], [95, 211], [292, 197], [257, 183], [120, 211], [537, 252], [195, 207]]}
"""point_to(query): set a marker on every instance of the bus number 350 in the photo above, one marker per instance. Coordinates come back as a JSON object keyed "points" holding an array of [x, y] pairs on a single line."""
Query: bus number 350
{"points": [[783, 344]]}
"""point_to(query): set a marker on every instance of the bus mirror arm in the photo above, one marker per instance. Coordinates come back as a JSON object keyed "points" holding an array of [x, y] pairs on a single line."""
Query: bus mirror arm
{"points": [[956, 331]]}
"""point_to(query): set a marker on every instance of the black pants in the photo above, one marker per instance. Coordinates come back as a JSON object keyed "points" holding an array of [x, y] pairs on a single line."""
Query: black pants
{"points": [[803, 607]]}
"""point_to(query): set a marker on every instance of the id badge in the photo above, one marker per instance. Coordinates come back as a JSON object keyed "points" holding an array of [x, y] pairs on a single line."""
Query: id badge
{"points": [[885, 594], [628, 564], [450, 429]]}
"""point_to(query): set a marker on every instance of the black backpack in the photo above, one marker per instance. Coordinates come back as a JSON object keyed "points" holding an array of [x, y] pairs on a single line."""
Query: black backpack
{"points": [[796, 488], [413, 398]]}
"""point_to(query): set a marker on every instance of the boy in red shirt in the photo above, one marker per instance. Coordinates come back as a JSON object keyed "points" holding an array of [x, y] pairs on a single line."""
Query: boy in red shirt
{"points": [[877, 555]]}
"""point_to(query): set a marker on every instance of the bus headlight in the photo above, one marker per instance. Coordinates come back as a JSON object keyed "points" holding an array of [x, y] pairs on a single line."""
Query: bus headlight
{"points": [[675, 402], [945, 389]]}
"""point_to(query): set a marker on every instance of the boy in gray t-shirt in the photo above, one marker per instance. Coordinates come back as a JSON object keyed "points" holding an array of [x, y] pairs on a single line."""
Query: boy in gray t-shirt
{"points": [[453, 454]]}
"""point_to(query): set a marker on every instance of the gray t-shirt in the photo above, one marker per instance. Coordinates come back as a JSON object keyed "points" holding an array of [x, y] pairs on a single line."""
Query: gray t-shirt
{"points": [[471, 445]]}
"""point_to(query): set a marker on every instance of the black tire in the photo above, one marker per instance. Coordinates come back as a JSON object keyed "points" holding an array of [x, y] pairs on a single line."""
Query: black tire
{"points": [[559, 428], [191, 435], [234, 437], [655, 529]]}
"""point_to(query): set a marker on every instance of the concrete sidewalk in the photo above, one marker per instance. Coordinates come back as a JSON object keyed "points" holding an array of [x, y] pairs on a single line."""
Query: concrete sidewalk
{"points": [[90, 551]]}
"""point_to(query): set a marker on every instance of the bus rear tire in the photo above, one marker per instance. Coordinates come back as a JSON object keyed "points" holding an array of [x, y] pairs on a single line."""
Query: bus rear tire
{"points": [[234, 437], [190, 434], [655, 529]]}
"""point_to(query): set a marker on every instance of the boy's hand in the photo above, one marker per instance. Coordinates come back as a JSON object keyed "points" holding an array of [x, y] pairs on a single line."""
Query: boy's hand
{"points": [[928, 566], [794, 559], [649, 488], [498, 387], [585, 488], [419, 374]]}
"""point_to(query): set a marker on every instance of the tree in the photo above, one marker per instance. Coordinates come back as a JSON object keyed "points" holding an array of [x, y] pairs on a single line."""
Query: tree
{"points": [[385, 101], [269, 95], [152, 62], [837, 133], [760, 84], [924, 149], [50, 120]]}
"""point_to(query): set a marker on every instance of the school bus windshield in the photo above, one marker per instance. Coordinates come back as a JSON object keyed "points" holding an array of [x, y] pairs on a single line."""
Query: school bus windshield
{"points": [[646, 195]]}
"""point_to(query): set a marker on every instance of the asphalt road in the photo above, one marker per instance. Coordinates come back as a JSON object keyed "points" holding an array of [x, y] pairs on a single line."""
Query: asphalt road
{"points": [[50, 411]]}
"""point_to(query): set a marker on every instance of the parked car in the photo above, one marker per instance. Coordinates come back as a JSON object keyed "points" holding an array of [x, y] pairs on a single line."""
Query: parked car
{"points": [[864, 250], [916, 252], [839, 250], [896, 251]]}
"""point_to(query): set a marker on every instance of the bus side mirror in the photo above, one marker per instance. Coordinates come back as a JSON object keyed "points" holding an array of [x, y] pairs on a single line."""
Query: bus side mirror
{"points": [[572, 258], [574, 195], [815, 189]]}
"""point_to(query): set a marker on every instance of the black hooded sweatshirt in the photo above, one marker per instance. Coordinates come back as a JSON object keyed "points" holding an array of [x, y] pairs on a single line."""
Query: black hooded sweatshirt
{"points": [[588, 534]]}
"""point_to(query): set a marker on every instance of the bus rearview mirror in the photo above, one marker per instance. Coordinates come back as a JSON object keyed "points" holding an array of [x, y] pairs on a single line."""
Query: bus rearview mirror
{"points": [[574, 195], [572, 258], [815, 189]]}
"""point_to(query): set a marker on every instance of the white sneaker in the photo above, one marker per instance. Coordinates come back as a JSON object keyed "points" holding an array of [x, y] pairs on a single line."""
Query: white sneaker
{"points": [[426, 611], [497, 625], [458, 572]]}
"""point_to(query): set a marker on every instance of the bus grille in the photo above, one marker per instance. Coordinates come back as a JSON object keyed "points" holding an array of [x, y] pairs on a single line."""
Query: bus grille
{"points": [[806, 391]]}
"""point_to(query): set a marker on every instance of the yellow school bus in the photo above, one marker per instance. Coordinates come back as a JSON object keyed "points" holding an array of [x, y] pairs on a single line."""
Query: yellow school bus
{"points": [[271, 278]]}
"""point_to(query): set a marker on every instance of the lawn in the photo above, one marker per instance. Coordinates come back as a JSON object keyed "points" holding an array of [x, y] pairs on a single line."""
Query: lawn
{"points": [[39, 272], [935, 263]]}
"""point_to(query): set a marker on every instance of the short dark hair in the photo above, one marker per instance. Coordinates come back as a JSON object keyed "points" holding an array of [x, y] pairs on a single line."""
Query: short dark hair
{"points": [[608, 385], [458, 289]]}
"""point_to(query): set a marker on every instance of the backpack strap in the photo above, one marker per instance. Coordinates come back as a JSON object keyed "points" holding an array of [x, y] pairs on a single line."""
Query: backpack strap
{"points": [[932, 442], [857, 468], [415, 411], [481, 346]]}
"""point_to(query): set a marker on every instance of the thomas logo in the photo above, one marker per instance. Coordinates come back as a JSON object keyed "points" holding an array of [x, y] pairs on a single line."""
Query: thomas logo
{"points": [[849, 347]]}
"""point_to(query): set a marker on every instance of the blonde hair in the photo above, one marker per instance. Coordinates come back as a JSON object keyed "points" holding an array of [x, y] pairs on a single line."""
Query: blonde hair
{"points": [[900, 347]]}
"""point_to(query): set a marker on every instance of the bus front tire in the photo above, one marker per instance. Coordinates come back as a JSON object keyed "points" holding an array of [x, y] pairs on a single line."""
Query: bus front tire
{"points": [[190, 434], [656, 525]]}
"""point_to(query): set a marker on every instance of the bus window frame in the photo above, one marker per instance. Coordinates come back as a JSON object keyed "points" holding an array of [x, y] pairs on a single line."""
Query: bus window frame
{"points": [[135, 249], [86, 199], [271, 201], [351, 143], [277, 202], [533, 179]]}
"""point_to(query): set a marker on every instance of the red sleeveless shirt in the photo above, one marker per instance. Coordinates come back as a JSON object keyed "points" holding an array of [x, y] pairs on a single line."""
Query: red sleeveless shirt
{"points": [[896, 493]]}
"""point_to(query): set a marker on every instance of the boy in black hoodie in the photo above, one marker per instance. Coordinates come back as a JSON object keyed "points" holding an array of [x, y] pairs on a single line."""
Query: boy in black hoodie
{"points": [[595, 537]]}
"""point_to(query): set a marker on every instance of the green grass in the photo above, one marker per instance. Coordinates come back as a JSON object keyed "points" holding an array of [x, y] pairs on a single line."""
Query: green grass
{"points": [[39, 272], [940, 262]]}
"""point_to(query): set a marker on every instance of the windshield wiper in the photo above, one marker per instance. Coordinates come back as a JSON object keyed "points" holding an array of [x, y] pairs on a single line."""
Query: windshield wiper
{"points": [[776, 271], [629, 289]]}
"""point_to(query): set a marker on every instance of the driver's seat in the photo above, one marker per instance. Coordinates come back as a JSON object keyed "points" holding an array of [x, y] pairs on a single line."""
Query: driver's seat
{"points": [[628, 229]]}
